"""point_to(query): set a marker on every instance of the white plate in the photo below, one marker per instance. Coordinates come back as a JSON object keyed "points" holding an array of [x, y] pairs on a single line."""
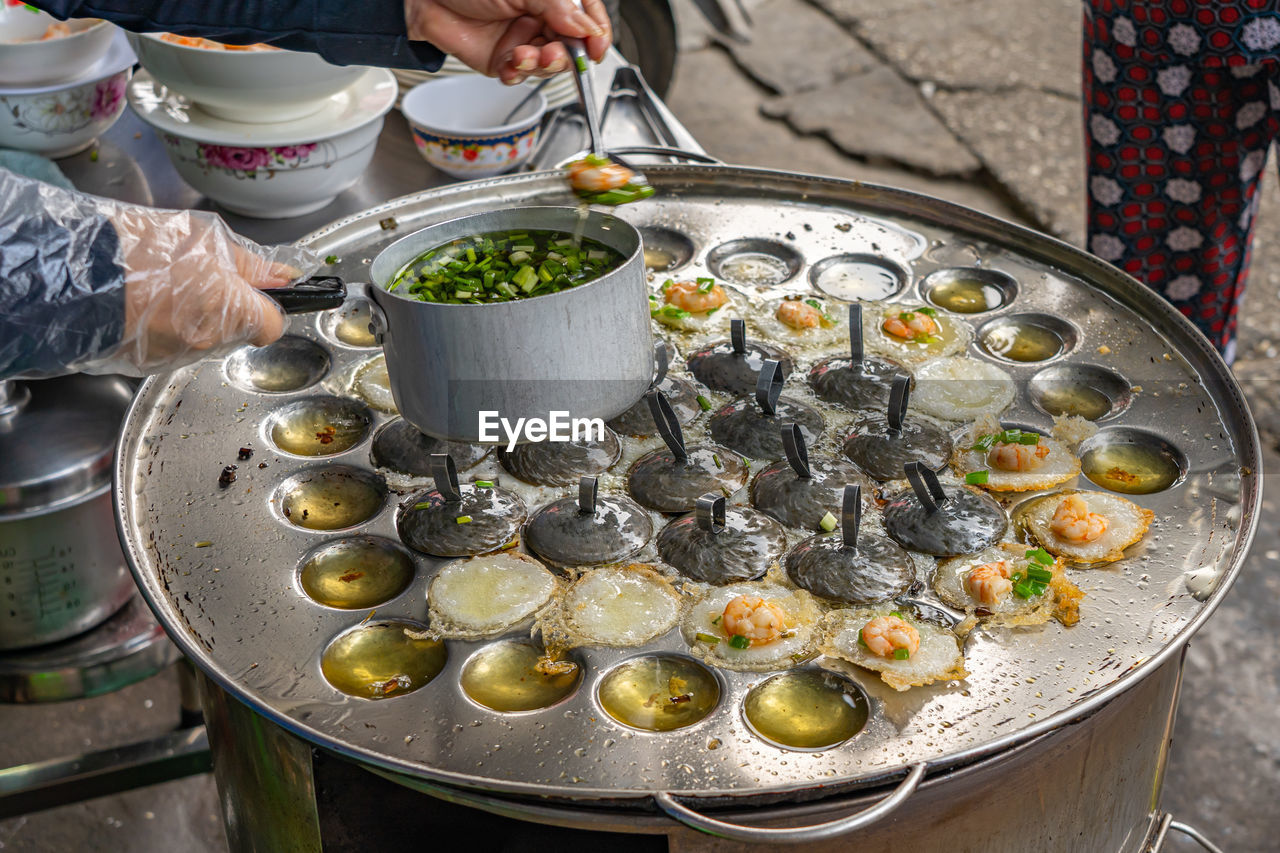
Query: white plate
{"points": [[117, 58], [366, 100]]}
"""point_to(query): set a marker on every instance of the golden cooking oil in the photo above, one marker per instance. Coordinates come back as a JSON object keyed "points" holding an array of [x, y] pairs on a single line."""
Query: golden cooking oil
{"points": [[1130, 468], [319, 427], [806, 709], [382, 659], [330, 500], [373, 384], [658, 259], [356, 573], [858, 280], [967, 296], [514, 676], [755, 268], [1063, 398], [659, 693], [352, 327], [1024, 342]]}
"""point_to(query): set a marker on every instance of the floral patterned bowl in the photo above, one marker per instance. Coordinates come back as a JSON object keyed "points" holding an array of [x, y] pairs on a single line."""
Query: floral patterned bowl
{"points": [[457, 125], [62, 122]]}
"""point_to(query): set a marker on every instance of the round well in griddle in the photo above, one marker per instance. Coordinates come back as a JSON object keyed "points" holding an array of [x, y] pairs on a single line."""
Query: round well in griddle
{"points": [[1085, 390], [733, 366], [349, 325], [858, 277], [560, 463], [319, 426], [761, 263], [740, 546], [355, 573], [1132, 461], [588, 530], [331, 498], [806, 709], [379, 660], [400, 447], [659, 693], [1021, 338], [969, 290], [290, 364], [665, 250], [515, 676]]}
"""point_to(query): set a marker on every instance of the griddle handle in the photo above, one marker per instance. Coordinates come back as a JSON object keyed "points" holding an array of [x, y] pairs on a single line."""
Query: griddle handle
{"points": [[851, 517], [318, 293], [668, 424], [769, 387], [709, 512], [738, 336], [587, 495], [797, 453], [856, 351], [661, 362], [798, 834], [926, 486], [445, 473], [899, 396]]}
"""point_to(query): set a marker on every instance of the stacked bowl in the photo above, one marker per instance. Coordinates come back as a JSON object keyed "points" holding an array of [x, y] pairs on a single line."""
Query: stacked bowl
{"points": [[62, 83], [263, 132]]}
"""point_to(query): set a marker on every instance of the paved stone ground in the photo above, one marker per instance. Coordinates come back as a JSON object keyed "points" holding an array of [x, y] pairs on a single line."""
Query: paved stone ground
{"points": [[974, 101]]}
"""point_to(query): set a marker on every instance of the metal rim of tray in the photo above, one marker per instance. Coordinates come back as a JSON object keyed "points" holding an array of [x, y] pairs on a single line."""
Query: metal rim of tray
{"points": [[859, 198]]}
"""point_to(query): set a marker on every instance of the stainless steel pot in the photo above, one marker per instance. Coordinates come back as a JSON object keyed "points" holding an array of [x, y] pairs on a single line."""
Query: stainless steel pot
{"points": [[587, 351], [61, 568]]}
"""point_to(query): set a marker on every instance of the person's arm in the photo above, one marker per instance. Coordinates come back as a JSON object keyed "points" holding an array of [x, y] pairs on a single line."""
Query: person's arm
{"points": [[365, 32], [89, 284]]}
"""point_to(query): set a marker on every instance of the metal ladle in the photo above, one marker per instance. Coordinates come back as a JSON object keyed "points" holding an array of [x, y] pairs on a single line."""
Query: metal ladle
{"points": [[582, 76]]}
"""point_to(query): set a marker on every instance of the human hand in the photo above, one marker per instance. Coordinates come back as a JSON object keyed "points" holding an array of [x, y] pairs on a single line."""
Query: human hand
{"points": [[510, 39], [191, 288]]}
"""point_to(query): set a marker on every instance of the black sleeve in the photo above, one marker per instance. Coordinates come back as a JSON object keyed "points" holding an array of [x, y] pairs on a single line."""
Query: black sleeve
{"points": [[344, 32]]}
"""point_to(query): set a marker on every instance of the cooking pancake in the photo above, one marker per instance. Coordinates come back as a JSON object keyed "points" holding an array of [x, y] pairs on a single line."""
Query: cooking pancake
{"points": [[400, 447], [1014, 466], [709, 631], [749, 543], [659, 480], [563, 535], [882, 454], [485, 520], [743, 427], [836, 380], [962, 389], [966, 522], [802, 502], [959, 586], [615, 606], [1125, 524], [561, 463], [807, 321], [937, 657], [484, 596], [877, 570], [721, 369], [933, 333], [638, 420]]}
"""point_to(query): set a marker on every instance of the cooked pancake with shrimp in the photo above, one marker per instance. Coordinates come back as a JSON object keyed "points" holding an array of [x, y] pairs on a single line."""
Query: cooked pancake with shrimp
{"points": [[487, 595], [1013, 460], [1086, 527], [962, 389], [692, 306], [752, 626], [906, 651], [913, 334], [614, 606], [806, 320], [1008, 584]]}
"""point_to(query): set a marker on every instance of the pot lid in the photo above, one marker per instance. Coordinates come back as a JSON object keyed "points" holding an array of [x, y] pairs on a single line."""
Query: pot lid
{"points": [[57, 439]]}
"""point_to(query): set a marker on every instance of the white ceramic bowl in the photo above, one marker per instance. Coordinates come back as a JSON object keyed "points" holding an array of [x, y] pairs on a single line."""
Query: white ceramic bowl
{"points": [[270, 171], [64, 121], [258, 87], [25, 61], [457, 125]]}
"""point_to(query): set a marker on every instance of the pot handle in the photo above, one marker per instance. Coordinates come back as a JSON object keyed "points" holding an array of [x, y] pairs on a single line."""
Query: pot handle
{"points": [[318, 293], [798, 834]]}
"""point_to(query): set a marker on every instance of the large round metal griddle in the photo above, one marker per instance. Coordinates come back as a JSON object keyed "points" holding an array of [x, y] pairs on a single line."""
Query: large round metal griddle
{"points": [[234, 605]]}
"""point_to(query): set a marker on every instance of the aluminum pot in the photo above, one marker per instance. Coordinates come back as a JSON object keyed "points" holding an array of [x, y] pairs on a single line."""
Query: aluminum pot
{"points": [[587, 351], [61, 568]]}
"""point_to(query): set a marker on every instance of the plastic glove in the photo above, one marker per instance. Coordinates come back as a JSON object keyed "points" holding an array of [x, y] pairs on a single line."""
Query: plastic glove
{"points": [[88, 284]]}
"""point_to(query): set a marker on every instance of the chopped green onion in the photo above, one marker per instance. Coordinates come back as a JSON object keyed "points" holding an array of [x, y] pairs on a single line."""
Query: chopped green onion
{"points": [[1023, 590], [1030, 438], [1039, 575], [828, 522], [463, 519], [580, 62], [705, 285], [423, 505], [897, 615], [984, 443], [1011, 436], [813, 303], [711, 311], [901, 654], [1041, 556], [906, 316], [737, 641], [706, 638], [704, 403], [484, 484], [667, 285], [673, 312], [330, 259], [927, 339], [204, 543], [861, 641], [927, 311], [977, 478], [716, 459]]}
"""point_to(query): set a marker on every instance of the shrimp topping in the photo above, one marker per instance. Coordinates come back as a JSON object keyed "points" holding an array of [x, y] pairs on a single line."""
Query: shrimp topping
{"points": [[1017, 457], [912, 326], [751, 616], [885, 635], [989, 582], [694, 297], [1074, 523], [595, 177], [799, 315]]}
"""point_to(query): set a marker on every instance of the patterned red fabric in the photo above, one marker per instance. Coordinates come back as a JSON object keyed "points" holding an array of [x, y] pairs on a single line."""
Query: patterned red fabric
{"points": [[1181, 101]]}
